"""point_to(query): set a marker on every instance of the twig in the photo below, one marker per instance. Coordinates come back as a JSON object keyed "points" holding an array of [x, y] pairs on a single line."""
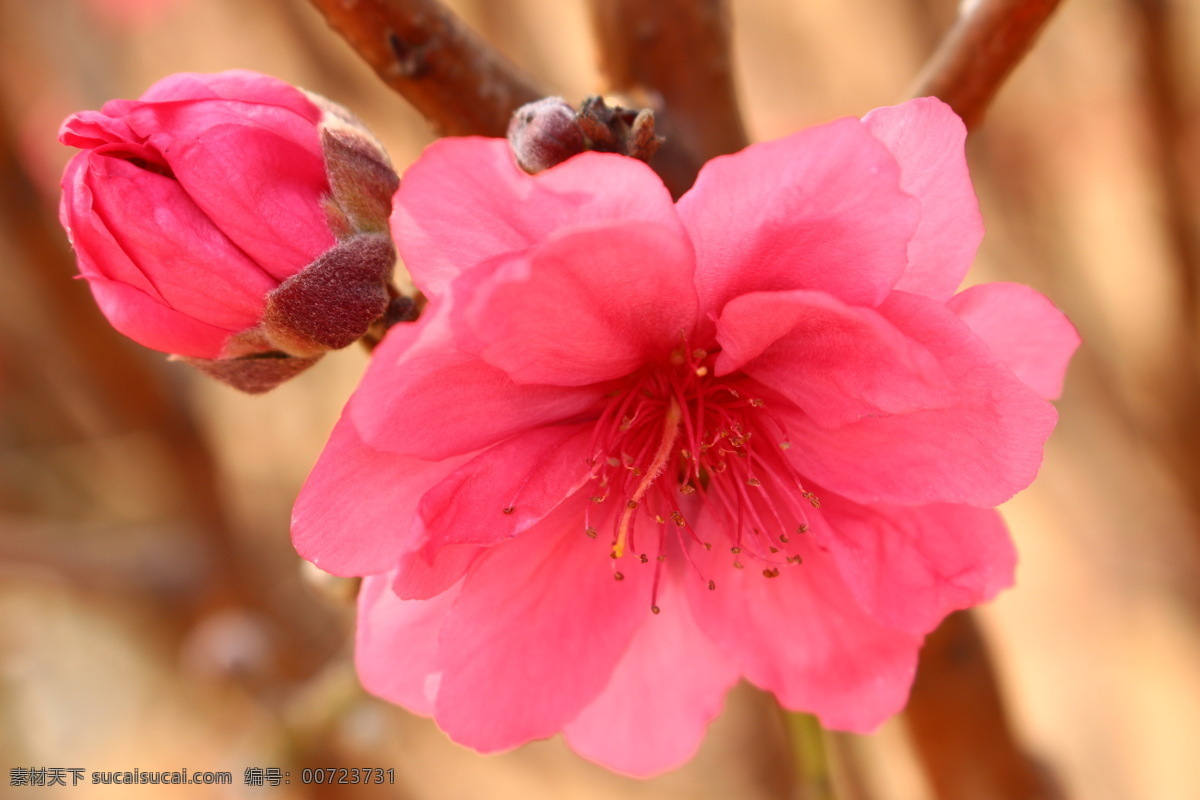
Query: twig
{"points": [[959, 726], [678, 50], [1169, 121], [419, 48], [987, 41]]}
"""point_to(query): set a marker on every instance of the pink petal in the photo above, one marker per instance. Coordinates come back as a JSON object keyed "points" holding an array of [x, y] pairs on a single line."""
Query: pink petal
{"points": [[423, 397], [508, 488], [427, 571], [151, 324], [89, 129], [980, 450], [125, 295], [821, 209], [354, 514], [802, 636], [262, 189], [466, 201], [586, 306], [172, 244], [529, 475], [96, 250], [535, 634], [655, 710], [926, 138], [396, 644], [1023, 329], [911, 566], [836, 362], [237, 85]]}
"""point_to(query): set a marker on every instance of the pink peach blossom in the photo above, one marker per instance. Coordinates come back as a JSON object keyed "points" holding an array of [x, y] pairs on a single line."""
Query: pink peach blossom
{"points": [[636, 450]]}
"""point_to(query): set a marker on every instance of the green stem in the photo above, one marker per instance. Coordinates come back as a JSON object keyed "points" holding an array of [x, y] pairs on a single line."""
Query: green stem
{"points": [[810, 745]]}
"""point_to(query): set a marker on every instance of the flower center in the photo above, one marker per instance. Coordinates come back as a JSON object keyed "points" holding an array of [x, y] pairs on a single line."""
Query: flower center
{"points": [[679, 439]]}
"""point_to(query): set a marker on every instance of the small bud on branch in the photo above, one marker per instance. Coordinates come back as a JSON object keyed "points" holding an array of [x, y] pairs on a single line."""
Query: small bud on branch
{"points": [[549, 132]]}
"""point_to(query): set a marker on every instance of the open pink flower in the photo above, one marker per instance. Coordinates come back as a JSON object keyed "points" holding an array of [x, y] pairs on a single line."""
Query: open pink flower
{"points": [[635, 450]]}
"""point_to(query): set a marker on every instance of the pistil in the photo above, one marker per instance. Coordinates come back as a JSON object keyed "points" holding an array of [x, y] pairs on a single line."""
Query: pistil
{"points": [[654, 469]]}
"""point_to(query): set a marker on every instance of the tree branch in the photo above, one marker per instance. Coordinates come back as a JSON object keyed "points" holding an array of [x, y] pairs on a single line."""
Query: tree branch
{"points": [[1168, 112], [419, 48], [958, 723], [678, 50], [987, 41]]}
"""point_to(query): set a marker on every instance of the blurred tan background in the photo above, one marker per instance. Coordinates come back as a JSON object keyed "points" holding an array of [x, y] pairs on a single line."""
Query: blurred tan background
{"points": [[153, 614]]}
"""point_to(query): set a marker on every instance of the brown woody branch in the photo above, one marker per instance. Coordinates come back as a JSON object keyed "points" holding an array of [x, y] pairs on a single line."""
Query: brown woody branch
{"points": [[676, 51], [1164, 96], [958, 723], [987, 41], [419, 48]]}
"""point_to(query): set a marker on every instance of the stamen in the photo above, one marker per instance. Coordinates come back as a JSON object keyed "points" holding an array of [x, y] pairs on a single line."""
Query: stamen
{"points": [[679, 430]]}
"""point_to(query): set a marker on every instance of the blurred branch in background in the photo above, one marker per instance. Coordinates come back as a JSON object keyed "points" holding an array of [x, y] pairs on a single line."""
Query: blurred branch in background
{"points": [[420, 49], [959, 725], [989, 38], [678, 53], [1171, 114], [1166, 107]]}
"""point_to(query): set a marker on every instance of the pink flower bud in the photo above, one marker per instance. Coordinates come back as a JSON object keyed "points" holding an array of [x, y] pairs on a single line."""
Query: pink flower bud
{"points": [[231, 218]]}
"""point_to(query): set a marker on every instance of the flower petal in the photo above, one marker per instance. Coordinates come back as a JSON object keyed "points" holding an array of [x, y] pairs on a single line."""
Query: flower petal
{"points": [[836, 362], [980, 450], [148, 322], [396, 644], [508, 488], [655, 710], [354, 513], [466, 201], [423, 397], [535, 634], [802, 636], [1023, 329], [262, 189], [89, 129], [821, 209], [927, 137], [426, 572], [238, 85], [148, 216], [911, 566], [586, 306], [503, 491]]}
